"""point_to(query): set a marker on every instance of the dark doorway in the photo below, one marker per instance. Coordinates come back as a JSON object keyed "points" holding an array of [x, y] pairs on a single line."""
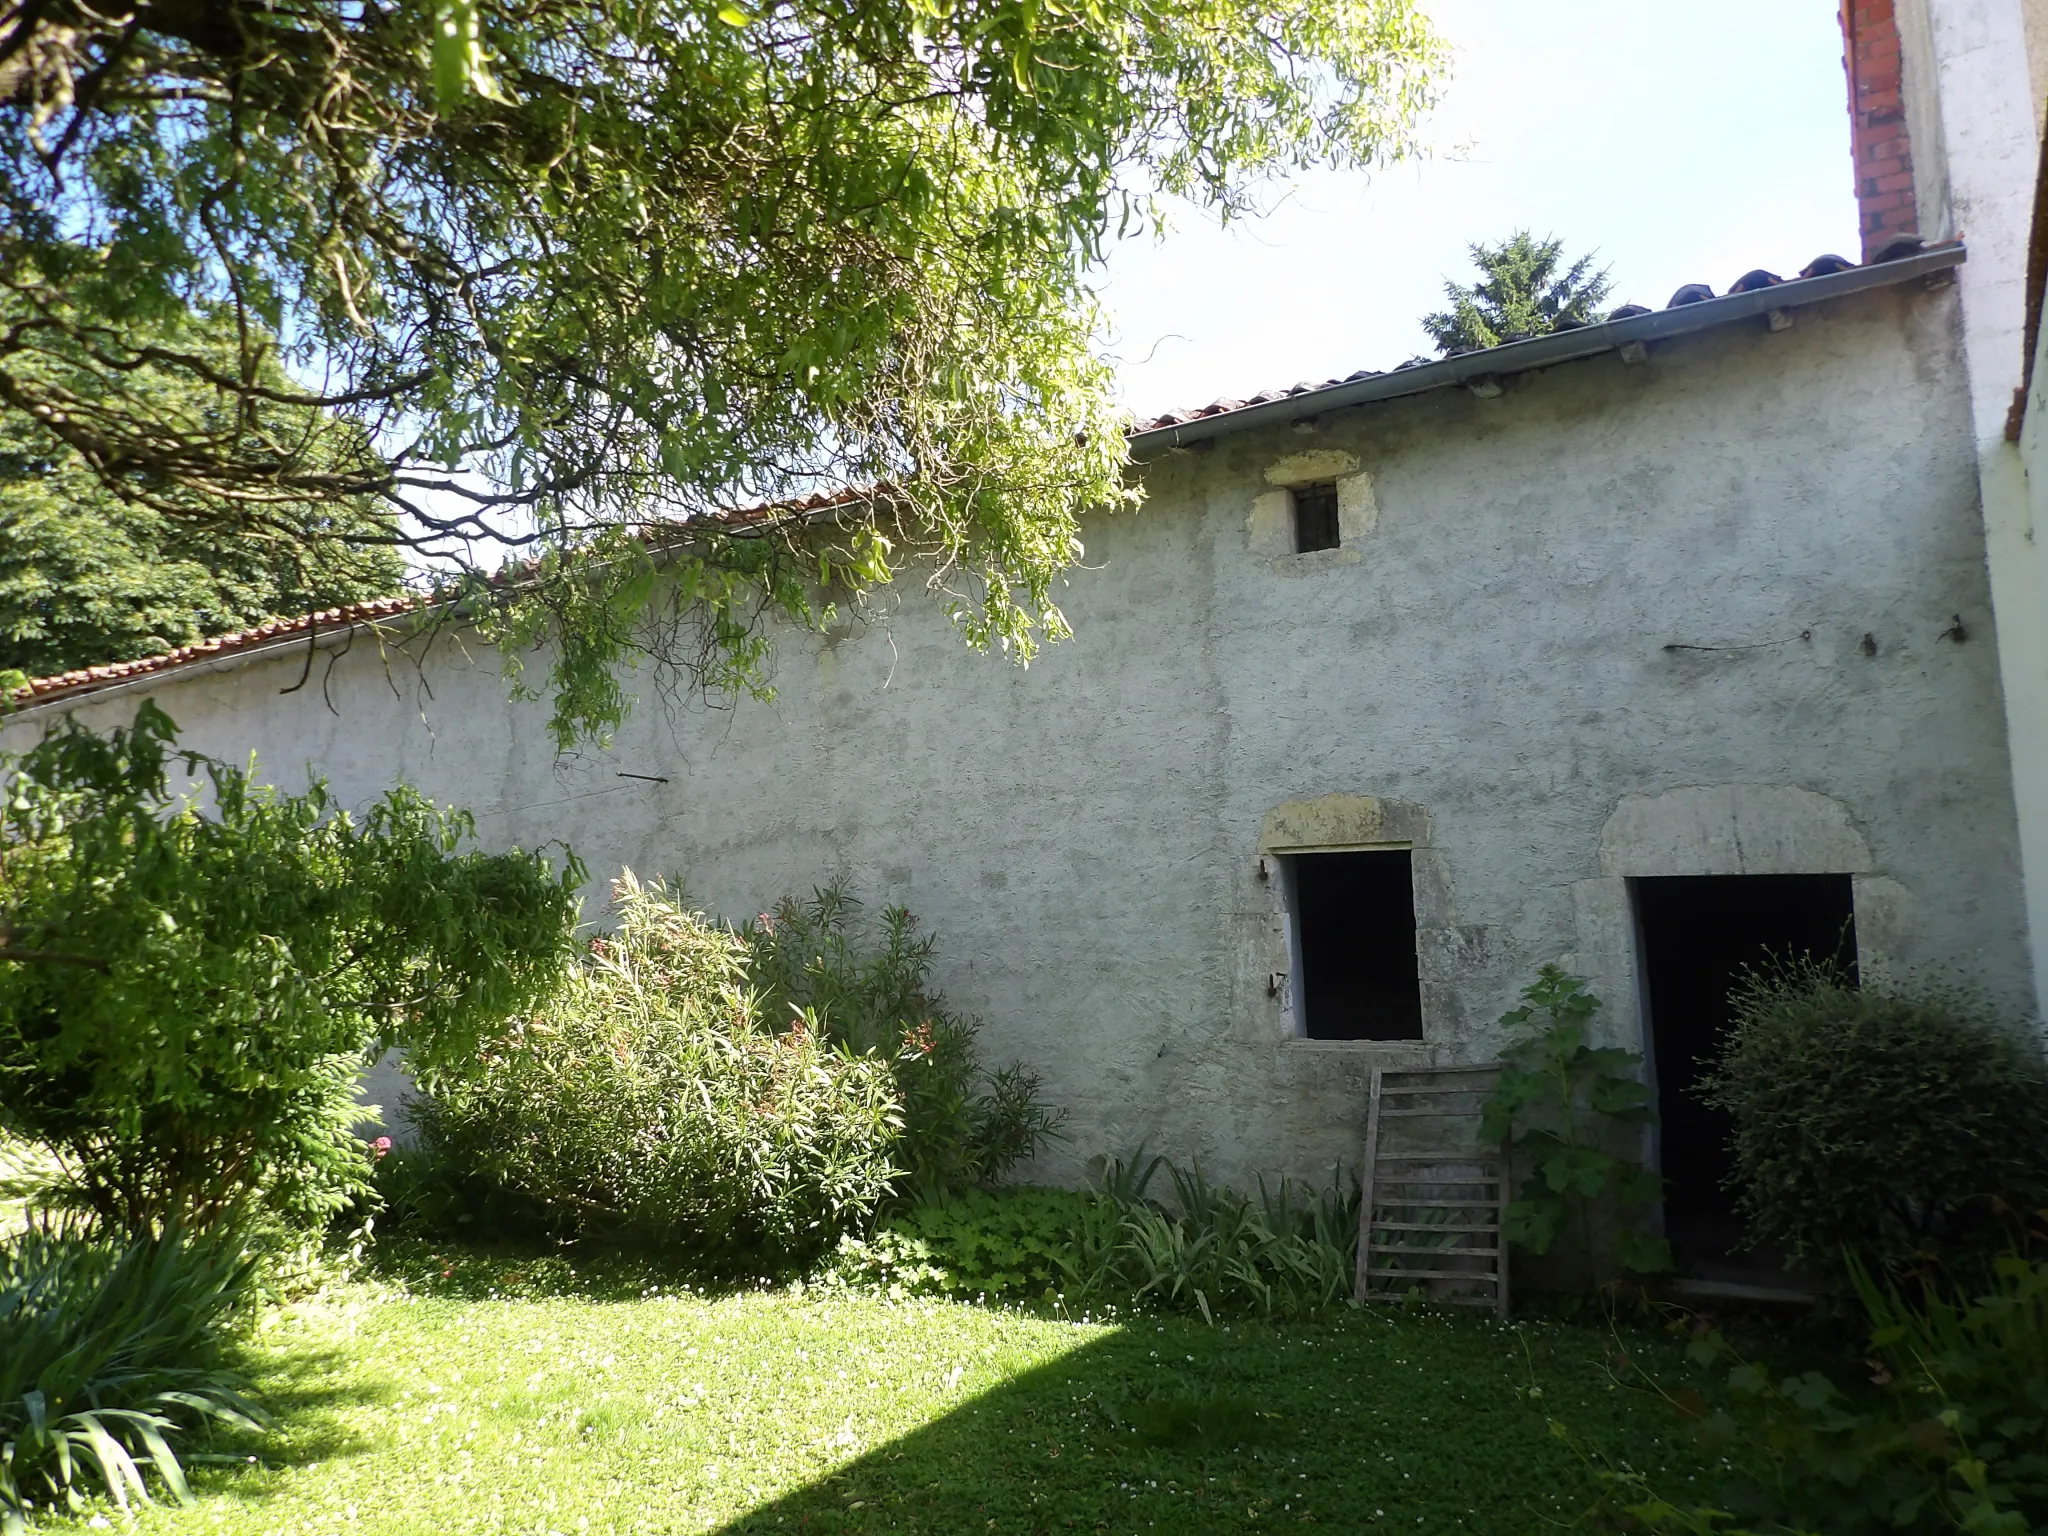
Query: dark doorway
{"points": [[1355, 914], [1700, 935]]}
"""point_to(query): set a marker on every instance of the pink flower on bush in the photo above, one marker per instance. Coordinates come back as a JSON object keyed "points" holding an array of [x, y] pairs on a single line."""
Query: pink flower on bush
{"points": [[380, 1148]]}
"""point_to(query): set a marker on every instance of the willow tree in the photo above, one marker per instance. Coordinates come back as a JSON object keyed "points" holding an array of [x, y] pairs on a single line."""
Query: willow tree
{"points": [[570, 273]]}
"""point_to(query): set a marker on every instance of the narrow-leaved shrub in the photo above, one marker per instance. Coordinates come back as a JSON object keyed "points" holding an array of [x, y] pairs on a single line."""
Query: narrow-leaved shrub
{"points": [[1909, 1130], [111, 1357], [962, 1126], [653, 1103]]}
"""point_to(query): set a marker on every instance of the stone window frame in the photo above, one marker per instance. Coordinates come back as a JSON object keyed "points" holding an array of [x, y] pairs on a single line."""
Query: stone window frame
{"points": [[1353, 823], [1269, 527], [1722, 829]]}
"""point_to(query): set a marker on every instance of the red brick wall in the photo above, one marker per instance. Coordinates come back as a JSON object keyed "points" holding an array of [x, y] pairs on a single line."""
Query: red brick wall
{"points": [[1878, 142]]}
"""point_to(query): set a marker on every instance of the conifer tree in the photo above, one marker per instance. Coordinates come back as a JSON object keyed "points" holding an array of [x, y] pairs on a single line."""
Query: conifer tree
{"points": [[1520, 293]]}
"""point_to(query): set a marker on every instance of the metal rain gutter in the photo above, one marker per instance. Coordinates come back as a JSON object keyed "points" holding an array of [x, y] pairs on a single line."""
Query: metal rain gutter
{"points": [[1557, 347]]}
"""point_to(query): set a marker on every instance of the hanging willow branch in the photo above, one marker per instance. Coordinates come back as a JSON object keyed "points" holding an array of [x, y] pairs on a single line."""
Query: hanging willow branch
{"points": [[534, 275]]}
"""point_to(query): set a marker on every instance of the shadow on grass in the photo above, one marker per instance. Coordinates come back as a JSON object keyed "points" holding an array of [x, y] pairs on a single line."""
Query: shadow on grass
{"points": [[1419, 1423], [1412, 1425], [489, 1267], [305, 1394]]}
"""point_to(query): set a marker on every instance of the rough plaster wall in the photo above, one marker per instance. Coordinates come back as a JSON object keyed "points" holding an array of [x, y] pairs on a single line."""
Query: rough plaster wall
{"points": [[2020, 587], [1490, 673], [1919, 85], [1980, 73], [1979, 55], [2034, 17]]}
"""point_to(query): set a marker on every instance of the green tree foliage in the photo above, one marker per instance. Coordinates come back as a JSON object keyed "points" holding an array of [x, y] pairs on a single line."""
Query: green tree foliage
{"points": [[581, 269], [89, 574], [186, 999], [1566, 1103], [1911, 1130], [1524, 290]]}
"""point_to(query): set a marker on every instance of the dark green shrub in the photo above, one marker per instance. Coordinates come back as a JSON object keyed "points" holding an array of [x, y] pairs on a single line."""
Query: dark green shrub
{"points": [[653, 1103], [1912, 1131], [1950, 1434], [186, 999], [1010, 1242], [110, 1359], [420, 1192], [962, 1125]]}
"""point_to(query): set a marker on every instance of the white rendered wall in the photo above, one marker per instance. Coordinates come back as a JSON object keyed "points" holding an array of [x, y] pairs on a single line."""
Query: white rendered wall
{"points": [[1480, 671], [1986, 141]]}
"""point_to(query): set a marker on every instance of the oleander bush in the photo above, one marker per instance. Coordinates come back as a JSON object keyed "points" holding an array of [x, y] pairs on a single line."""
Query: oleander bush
{"points": [[653, 1102], [742, 1093], [112, 1360], [1910, 1130], [871, 994]]}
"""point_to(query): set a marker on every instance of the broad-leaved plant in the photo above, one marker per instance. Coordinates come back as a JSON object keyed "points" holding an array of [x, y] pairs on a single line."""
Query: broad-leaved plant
{"points": [[1559, 1099]]}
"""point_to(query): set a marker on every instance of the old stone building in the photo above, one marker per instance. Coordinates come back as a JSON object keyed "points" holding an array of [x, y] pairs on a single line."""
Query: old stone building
{"points": [[1644, 648]]}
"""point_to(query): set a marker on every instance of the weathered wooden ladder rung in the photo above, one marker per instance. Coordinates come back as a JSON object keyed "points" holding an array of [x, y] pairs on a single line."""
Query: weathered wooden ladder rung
{"points": [[1440, 1191]]}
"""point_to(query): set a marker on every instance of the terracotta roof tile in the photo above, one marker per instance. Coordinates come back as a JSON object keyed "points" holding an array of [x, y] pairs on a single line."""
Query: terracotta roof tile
{"points": [[241, 639], [1691, 293]]}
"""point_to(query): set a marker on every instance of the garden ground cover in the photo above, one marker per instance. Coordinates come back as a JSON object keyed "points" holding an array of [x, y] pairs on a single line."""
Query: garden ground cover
{"points": [[501, 1396]]}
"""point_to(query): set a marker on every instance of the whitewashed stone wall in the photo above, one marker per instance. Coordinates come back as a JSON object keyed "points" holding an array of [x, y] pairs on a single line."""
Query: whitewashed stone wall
{"points": [[1481, 665]]}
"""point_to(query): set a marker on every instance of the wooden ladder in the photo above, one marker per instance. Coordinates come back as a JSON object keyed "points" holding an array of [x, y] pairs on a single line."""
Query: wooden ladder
{"points": [[1434, 1198]]}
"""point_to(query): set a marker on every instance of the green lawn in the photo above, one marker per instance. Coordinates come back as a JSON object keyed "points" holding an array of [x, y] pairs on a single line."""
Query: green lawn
{"points": [[566, 1407], [25, 1171]]}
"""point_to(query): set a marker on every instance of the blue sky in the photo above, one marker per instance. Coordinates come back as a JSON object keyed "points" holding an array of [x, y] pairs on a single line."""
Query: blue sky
{"points": [[1685, 145]]}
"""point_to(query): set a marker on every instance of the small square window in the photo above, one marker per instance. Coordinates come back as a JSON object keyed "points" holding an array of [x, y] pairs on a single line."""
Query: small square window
{"points": [[1315, 517], [1354, 916]]}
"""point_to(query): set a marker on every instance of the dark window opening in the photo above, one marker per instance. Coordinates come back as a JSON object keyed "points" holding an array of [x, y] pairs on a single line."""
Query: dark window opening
{"points": [[1355, 914], [1700, 936], [1315, 517]]}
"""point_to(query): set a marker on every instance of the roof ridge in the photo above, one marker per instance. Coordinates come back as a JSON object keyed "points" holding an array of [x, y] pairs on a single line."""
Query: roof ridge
{"points": [[1691, 293], [348, 615]]}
